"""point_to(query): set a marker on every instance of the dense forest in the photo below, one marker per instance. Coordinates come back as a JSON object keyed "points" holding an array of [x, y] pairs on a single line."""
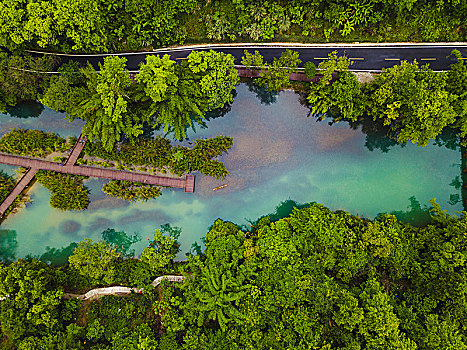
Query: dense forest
{"points": [[108, 26], [315, 279]]}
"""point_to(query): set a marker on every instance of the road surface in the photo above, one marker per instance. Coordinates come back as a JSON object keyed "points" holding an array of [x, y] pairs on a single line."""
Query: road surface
{"points": [[371, 58]]}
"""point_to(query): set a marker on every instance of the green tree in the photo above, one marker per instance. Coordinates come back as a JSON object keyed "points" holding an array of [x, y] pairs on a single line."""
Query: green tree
{"points": [[218, 77], [33, 300], [83, 23], [310, 70], [162, 250], [276, 75], [173, 94], [95, 260], [21, 77], [412, 100], [341, 98], [106, 109], [456, 85]]}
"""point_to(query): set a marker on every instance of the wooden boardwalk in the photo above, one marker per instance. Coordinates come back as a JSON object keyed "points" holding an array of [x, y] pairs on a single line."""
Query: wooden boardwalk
{"points": [[76, 151], [19, 187], [36, 164]]}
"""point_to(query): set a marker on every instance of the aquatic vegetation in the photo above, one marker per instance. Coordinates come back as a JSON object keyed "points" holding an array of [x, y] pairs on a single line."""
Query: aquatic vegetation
{"points": [[34, 143], [159, 153], [67, 192], [131, 191]]}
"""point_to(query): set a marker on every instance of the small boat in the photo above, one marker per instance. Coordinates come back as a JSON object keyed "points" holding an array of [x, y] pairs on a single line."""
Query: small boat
{"points": [[219, 187]]}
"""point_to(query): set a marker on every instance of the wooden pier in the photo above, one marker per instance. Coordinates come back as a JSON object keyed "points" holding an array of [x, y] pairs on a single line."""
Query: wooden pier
{"points": [[35, 164]]}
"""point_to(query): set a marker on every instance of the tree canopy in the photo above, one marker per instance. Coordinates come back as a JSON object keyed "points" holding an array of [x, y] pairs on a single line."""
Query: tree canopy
{"points": [[415, 102]]}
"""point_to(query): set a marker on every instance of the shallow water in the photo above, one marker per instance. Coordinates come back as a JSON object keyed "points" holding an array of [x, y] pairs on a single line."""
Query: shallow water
{"points": [[278, 154]]}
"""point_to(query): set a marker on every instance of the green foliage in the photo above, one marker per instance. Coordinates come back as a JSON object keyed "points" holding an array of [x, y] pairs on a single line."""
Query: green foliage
{"points": [[95, 260], [131, 191], [105, 107], [158, 22], [342, 97], [325, 279], [162, 250], [415, 102], [122, 319], [95, 331], [33, 143], [66, 90], [274, 76], [104, 26], [253, 61], [456, 85], [312, 279], [159, 153], [412, 100], [34, 303], [173, 94], [121, 241], [67, 191], [310, 70], [21, 77], [218, 77]]}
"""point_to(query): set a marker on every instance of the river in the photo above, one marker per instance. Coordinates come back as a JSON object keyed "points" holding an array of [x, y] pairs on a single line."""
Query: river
{"points": [[279, 154]]}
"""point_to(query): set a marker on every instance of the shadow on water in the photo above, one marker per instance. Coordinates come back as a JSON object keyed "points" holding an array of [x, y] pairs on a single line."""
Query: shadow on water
{"points": [[377, 135], [8, 246], [449, 139], [121, 241], [282, 210], [26, 109], [262, 94], [416, 215], [149, 130], [57, 256]]}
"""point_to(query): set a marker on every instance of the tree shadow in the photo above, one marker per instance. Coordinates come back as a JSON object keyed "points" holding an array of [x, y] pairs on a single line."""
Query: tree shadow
{"points": [[282, 210], [58, 256], [377, 135]]}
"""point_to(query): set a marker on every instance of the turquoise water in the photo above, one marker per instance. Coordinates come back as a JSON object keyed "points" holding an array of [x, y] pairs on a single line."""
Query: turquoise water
{"points": [[278, 154]]}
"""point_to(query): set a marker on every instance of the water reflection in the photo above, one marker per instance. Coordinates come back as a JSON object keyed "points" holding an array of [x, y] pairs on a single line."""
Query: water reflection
{"points": [[26, 109], [8, 246], [121, 241], [261, 92], [416, 215], [282, 210], [448, 138], [57, 256]]}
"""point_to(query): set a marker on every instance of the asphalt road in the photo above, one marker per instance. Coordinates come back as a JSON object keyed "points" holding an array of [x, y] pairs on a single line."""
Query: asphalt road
{"points": [[365, 58]]}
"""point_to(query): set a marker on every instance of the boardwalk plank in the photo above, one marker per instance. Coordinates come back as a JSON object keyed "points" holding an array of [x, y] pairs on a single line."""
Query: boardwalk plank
{"points": [[19, 187]]}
